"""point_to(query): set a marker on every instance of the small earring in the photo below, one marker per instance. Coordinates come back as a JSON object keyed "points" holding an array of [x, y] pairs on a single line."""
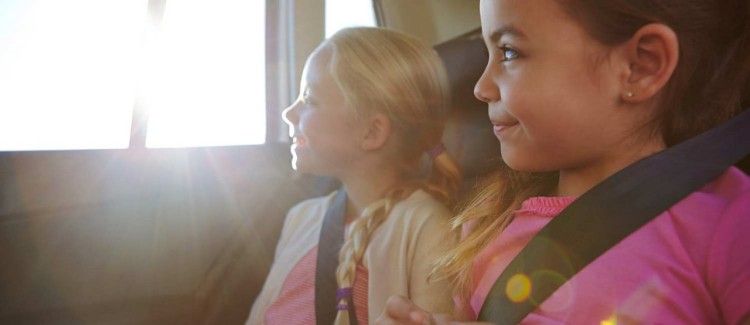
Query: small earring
{"points": [[629, 94]]}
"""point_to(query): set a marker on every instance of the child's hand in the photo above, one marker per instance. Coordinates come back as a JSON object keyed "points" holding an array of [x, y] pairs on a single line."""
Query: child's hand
{"points": [[400, 310]]}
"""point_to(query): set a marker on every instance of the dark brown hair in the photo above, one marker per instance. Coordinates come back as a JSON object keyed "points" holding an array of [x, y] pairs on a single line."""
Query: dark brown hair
{"points": [[710, 83]]}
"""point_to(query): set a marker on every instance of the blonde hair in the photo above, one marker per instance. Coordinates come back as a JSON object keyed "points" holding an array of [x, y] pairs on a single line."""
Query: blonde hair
{"points": [[380, 71], [485, 215]]}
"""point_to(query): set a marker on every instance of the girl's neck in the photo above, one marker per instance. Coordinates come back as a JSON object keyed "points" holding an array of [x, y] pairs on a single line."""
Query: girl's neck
{"points": [[366, 187], [576, 181]]}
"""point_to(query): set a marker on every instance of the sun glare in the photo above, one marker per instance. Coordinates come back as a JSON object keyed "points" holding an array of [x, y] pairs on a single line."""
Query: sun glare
{"points": [[348, 13], [70, 73], [67, 73], [206, 85]]}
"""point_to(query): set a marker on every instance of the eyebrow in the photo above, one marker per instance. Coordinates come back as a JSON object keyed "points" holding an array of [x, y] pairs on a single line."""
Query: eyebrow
{"points": [[509, 30]]}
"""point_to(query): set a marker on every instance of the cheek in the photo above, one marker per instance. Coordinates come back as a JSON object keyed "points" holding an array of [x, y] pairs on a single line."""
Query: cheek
{"points": [[531, 101], [328, 135], [548, 96], [528, 83], [313, 124]]}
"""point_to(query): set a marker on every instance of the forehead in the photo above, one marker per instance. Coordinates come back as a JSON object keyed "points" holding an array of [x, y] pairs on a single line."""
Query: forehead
{"points": [[317, 72], [535, 19], [317, 80]]}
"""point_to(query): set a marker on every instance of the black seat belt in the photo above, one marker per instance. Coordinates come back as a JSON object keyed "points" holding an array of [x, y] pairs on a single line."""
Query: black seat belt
{"points": [[613, 209], [329, 245]]}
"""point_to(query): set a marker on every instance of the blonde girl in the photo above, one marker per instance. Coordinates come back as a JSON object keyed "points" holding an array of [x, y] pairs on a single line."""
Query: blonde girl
{"points": [[578, 90], [372, 103]]}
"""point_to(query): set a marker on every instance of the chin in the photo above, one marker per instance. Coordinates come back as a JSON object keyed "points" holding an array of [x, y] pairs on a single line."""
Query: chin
{"points": [[305, 167], [526, 164], [513, 160], [519, 167], [299, 164]]}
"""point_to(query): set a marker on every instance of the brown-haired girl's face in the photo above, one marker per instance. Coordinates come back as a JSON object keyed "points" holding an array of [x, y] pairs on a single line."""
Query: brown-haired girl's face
{"points": [[324, 129], [552, 90]]}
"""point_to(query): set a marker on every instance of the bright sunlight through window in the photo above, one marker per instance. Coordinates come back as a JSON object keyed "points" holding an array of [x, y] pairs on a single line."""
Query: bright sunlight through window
{"points": [[207, 85], [68, 73], [348, 13], [71, 71]]}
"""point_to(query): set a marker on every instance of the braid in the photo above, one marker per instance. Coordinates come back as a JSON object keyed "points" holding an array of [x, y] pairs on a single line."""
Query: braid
{"points": [[361, 230], [442, 185]]}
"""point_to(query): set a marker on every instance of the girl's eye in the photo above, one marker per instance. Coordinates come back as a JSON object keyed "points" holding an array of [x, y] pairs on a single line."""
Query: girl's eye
{"points": [[508, 53], [306, 97], [309, 101]]}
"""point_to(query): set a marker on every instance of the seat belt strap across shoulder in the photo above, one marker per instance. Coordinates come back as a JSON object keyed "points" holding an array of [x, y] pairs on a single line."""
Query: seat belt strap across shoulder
{"points": [[329, 245], [613, 209]]}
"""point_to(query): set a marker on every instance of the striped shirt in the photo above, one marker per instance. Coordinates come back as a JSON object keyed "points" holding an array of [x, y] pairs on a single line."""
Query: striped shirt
{"points": [[296, 301]]}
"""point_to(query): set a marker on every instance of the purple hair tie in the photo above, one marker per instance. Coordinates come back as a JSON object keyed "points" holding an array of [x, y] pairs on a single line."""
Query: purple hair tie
{"points": [[343, 293], [436, 151]]}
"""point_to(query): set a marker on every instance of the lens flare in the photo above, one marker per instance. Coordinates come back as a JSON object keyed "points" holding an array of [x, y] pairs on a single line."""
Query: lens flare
{"points": [[612, 320], [518, 288], [564, 295]]}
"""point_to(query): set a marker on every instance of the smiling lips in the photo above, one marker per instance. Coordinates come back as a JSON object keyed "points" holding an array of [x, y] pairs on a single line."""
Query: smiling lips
{"points": [[299, 140], [499, 127]]}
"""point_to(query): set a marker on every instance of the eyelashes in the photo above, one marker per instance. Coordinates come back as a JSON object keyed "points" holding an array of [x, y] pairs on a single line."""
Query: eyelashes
{"points": [[508, 53], [306, 98]]}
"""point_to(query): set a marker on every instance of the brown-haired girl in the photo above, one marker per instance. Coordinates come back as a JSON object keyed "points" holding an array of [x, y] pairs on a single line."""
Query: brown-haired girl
{"points": [[578, 90]]}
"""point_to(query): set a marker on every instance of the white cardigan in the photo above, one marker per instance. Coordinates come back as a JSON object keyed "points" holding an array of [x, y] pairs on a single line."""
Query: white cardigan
{"points": [[399, 257]]}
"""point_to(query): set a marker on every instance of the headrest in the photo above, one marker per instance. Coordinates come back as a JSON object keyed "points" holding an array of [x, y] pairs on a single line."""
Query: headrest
{"points": [[468, 134]]}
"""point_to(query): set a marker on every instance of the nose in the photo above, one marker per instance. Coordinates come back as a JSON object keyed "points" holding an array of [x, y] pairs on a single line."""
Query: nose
{"points": [[290, 115], [486, 89]]}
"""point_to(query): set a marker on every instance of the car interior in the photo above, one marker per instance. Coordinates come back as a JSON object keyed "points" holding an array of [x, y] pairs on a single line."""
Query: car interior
{"points": [[187, 235]]}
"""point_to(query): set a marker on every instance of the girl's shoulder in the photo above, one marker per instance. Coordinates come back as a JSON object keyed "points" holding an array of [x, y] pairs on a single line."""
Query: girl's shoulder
{"points": [[420, 212], [731, 189], [315, 203], [730, 195], [713, 216], [422, 205], [716, 237], [419, 222], [734, 184], [310, 210]]}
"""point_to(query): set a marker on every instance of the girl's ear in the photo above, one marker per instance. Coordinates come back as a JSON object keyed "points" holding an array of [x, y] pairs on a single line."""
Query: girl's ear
{"points": [[377, 132], [652, 54]]}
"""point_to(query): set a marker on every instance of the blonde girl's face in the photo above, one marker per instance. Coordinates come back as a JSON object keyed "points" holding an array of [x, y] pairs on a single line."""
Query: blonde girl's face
{"points": [[324, 130], [551, 89]]}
